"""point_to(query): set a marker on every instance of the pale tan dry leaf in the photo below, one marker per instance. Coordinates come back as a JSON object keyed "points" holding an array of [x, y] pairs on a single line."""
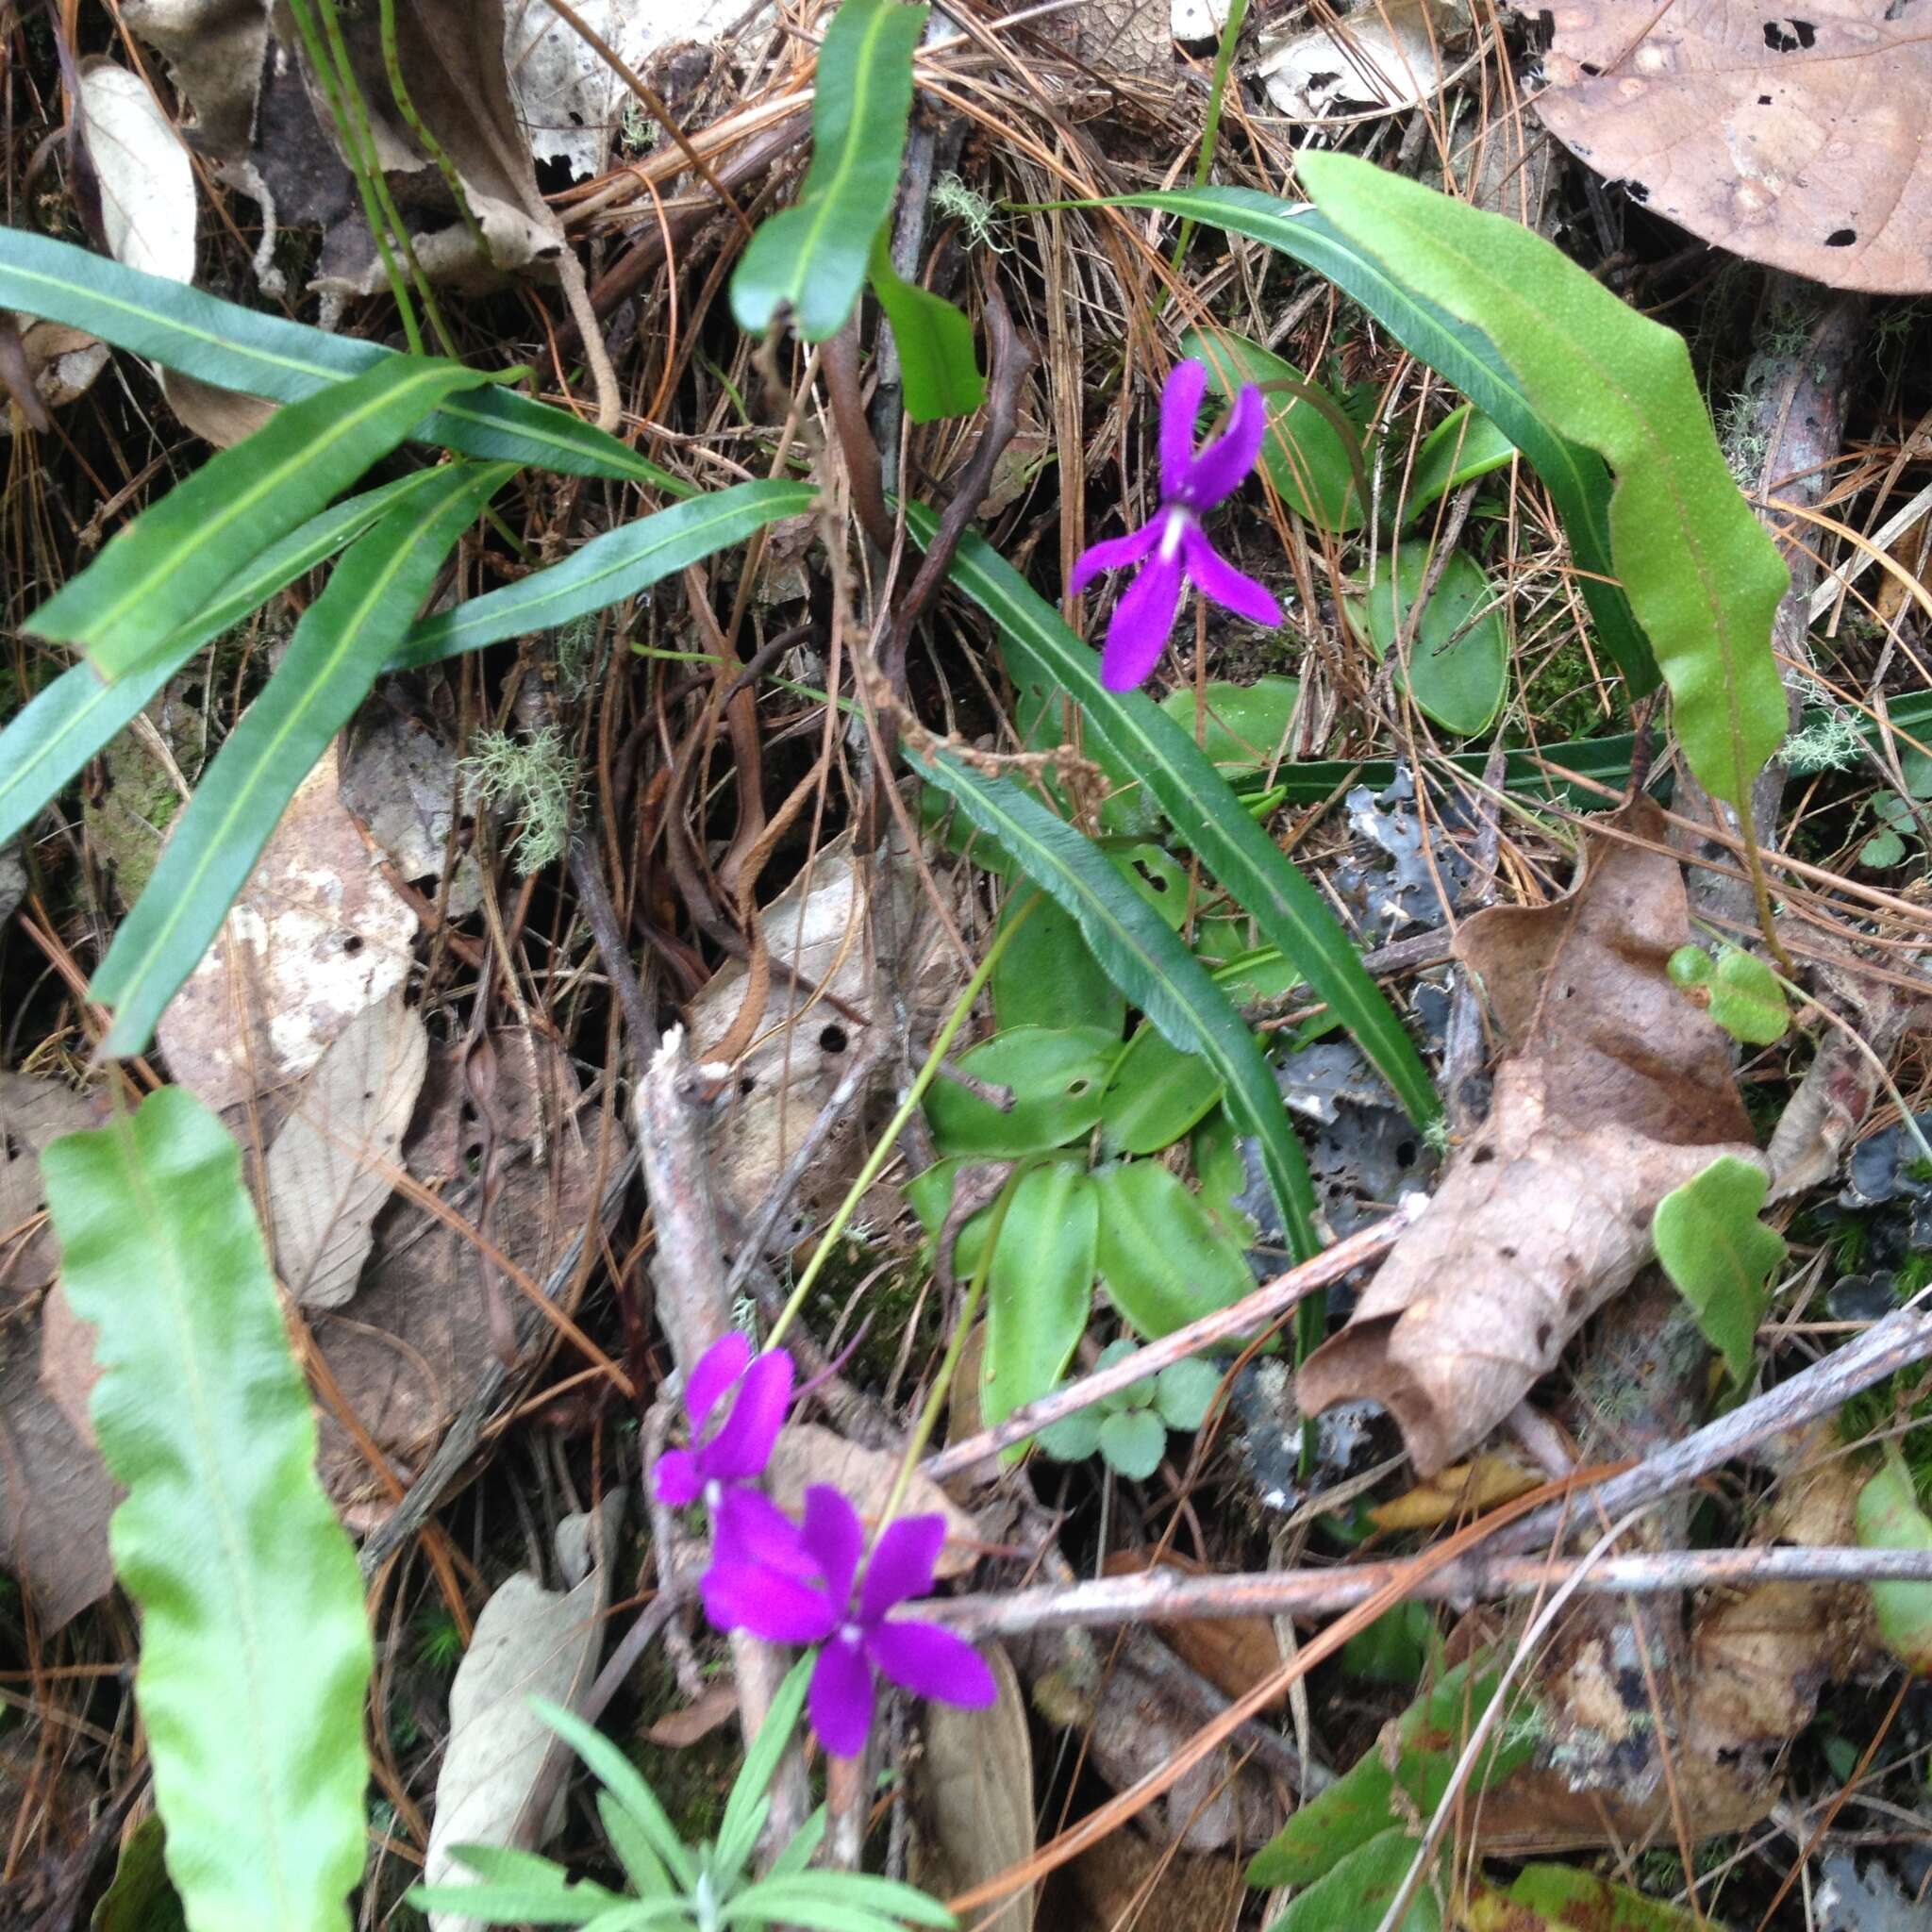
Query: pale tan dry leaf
{"points": [[68, 1369], [1615, 1088], [331, 1166], [1385, 56], [806, 1454], [1462, 1489], [529, 1642], [33, 1110], [678, 1730], [407, 1354], [972, 1788], [823, 925], [1126, 1884], [1794, 140], [61, 361], [399, 779], [214, 50], [221, 416], [1234, 1653], [316, 937]]}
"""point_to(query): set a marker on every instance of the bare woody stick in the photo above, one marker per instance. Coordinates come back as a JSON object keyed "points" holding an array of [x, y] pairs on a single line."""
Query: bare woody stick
{"points": [[1246, 1317], [1167, 1596]]}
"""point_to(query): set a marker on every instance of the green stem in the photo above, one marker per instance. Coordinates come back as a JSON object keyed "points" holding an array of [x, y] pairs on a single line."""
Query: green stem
{"points": [[1210, 130], [877, 1161], [955, 1347]]}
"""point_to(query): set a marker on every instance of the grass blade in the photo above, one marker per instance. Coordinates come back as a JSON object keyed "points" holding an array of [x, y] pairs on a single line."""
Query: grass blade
{"points": [[239, 348], [616, 565], [1201, 807], [811, 257], [174, 559], [1702, 574], [254, 1652], [1577, 480], [1147, 962], [45, 743], [339, 648]]}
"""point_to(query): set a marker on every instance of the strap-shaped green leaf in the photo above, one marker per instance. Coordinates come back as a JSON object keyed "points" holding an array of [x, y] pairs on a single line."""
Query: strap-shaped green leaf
{"points": [[937, 366], [67, 724], [254, 1652], [173, 559], [616, 565], [1702, 574], [1577, 481], [1147, 962], [812, 257], [338, 650], [1201, 807], [238, 348]]}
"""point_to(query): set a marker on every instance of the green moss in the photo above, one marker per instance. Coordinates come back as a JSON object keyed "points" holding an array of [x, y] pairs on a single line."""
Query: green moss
{"points": [[1565, 697], [694, 1783]]}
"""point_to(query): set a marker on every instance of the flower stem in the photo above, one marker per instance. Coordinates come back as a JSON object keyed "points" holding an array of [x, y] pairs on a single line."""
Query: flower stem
{"points": [[877, 1161]]}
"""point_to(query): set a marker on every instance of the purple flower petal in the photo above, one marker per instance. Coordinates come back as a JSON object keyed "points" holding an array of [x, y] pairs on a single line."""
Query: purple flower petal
{"points": [[1220, 470], [677, 1478], [834, 1537], [1142, 622], [901, 1565], [742, 1444], [779, 1608], [748, 1528], [841, 1697], [1180, 403], [1114, 553], [931, 1662], [1214, 576], [719, 1367]]}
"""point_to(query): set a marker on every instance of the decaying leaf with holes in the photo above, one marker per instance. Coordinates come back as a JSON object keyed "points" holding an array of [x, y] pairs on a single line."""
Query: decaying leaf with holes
{"points": [[1614, 1088], [1795, 142], [829, 929]]}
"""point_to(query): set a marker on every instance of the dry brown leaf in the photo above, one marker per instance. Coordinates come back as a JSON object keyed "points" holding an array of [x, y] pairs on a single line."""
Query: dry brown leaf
{"points": [[1234, 1653], [331, 1167], [1386, 55], [32, 1112], [399, 779], [806, 1454], [407, 1353], [974, 1792], [317, 936], [678, 1730], [529, 1642], [1795, 139], [1464, 1488], [61, 362], [822, 925], [1126, 1884], [1615, 1088]]}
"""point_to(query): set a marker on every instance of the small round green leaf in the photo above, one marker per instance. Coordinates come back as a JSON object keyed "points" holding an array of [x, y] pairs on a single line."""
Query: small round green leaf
{"points": [[1720, 1255], [1889, 1518], [1246, 727], [1048, 976], [1458, 659], [1073, 1437], [1882, 851], [1159, 878], [1746, 1000], [1056, 1077], [1133, 1441], [1184, 1391]]}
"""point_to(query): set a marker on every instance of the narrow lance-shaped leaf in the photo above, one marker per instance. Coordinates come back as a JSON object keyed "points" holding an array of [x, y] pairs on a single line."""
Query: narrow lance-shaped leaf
{"points": [[67, 724], [1575, 476], [812, 257], [254, 1652], [174, 559], [239, 348], [1701, 574], [607, 569], [337, 649], [1148, 963], [1200, 805], [937, 366]]}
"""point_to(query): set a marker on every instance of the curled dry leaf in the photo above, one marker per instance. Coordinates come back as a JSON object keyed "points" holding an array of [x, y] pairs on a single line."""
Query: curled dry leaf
{"points": [[807, 1453], [1795, 142], [1234, 1653], [406, 1354], [399, 779], [497, 1785], [823, 927], [1386, 55], [317, 937], [1614, 1089], [972, 1788], [332, 1165]]}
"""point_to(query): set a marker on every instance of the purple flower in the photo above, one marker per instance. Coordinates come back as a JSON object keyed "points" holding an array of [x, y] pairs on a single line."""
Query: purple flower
{"points": [[731, 1443], [1171, 547], [786, 1607]]}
